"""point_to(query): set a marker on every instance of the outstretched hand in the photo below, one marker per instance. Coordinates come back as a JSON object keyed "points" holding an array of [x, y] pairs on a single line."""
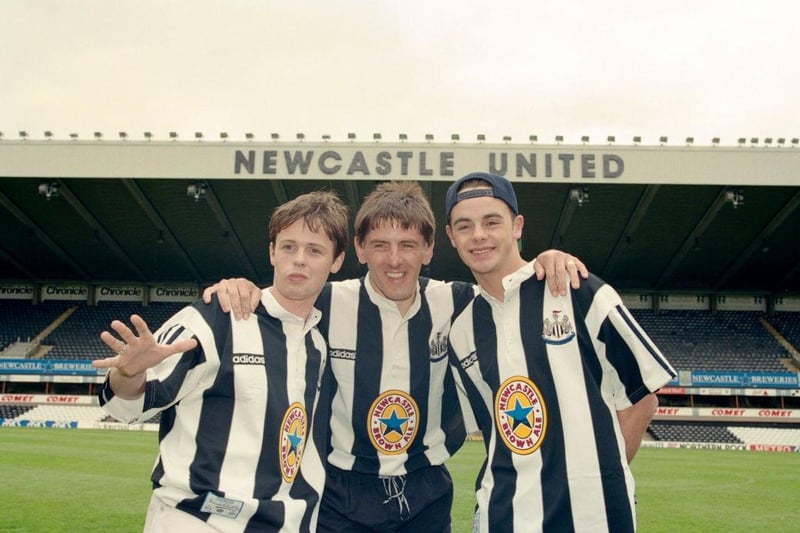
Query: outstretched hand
{"points": [[239, 295], [554, 264], [137, 352]]}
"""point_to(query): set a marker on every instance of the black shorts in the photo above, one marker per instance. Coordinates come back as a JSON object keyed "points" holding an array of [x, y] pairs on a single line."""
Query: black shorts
{"points": [[418, 502]]}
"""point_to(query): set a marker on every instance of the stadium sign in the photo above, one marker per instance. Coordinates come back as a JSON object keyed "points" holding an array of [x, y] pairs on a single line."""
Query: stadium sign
{"points": [[617, 164], [162, 293], [16, 291], [65, 292], [69, 367], [115, 293]]}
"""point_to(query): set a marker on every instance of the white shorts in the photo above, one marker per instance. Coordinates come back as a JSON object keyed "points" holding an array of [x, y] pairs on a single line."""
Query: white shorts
{"points": [[163, 518]]}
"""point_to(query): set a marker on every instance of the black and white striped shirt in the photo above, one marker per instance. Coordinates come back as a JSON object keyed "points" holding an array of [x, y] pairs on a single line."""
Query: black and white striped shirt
{"points": [[545, 376], [236, 418], [395, 407]]}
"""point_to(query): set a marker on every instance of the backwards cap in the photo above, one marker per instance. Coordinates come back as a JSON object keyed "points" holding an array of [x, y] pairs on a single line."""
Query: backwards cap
{"points": [[501, 188]]}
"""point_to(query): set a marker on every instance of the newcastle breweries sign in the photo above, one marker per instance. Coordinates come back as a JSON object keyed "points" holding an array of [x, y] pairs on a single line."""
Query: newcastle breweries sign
{"points": [[612, 164]]}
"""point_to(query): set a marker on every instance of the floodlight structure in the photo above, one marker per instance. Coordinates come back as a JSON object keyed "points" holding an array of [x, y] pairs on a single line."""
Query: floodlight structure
{"points": [[481, 137], [559, 138], [73, 136], [579, 195], [98, 135], [223, 135], [198, 135], [637, 139], [351, 136], [48, 135], [173, 135], [506, 138], [148, 135], [48, 189], [123, 135], [735, 197], [403, 137], [301, 136], [377, 136], [429, 137], [196, 190], [584, 139], [249, 136], [455, 137], [274, 136], [533, 138]]}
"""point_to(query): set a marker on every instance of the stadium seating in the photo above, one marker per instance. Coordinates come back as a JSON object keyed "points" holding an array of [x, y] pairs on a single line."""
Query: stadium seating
{"points": [[19, 320], [726, 340], [788, 325], [752, 434], [691, 433], [82, 416], [8, 412], [79, 336]]}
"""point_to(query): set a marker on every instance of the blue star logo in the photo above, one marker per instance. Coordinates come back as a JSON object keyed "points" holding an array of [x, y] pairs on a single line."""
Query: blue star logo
{"points": [[519, 414], [393, 424], [294, 441]]}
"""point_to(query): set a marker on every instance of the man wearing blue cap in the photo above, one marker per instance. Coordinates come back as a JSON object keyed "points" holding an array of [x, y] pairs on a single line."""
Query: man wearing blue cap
{"points": [[562, 387]]}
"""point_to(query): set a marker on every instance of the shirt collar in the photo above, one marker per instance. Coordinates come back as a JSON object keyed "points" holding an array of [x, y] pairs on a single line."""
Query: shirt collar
{"points": [[276, 310], [512, 282]]}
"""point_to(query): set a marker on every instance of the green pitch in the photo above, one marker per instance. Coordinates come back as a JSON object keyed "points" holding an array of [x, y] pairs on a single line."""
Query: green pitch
{"points": [[57, 480]]}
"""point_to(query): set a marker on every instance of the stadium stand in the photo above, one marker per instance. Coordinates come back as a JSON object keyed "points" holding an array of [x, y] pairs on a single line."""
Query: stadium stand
{"points": [[8, 412], [726, 340], [22, 321], [788, 325], [78, 337], [701, 432]]}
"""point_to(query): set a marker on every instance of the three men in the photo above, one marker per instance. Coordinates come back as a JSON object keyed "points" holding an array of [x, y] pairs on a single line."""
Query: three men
{"points": [[396, 416]]}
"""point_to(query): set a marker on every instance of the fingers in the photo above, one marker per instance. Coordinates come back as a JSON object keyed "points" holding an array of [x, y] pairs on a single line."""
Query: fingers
{"points": [[108, 362], [141, 327], [209, 292], [576, 270], [244, 297], [559, 268], [183, 345]]}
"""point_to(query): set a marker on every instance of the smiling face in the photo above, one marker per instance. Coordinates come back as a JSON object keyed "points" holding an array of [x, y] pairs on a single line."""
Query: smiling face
{"points": [[484, 231], [302, 259], [394, 256]]}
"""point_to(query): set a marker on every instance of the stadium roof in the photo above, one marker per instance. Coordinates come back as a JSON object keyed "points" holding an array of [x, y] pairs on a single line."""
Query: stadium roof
{"points": [[707, 219]]}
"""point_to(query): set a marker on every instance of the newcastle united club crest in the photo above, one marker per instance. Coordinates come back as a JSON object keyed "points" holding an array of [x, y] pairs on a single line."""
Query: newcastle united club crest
{"points": [[558, 330]]}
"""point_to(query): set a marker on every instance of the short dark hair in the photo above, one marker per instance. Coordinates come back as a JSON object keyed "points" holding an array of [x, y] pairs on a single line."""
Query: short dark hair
{"points": [[402, 202], [319, 209]]}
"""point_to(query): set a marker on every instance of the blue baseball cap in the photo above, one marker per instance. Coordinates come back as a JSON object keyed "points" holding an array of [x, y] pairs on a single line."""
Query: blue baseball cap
{"points": [[501, 189]]}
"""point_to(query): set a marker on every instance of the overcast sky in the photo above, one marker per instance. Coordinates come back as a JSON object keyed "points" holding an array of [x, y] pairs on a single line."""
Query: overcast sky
{"points": [[678, 68]]}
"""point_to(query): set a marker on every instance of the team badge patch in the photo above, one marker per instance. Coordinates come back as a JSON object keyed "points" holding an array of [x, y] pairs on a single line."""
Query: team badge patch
{"points": [[392, 423], [293, 440], [559, 330], [520, 415]]}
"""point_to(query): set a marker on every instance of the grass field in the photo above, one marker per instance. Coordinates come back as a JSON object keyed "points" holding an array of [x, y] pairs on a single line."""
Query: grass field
{"points": [[98, 481]]}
